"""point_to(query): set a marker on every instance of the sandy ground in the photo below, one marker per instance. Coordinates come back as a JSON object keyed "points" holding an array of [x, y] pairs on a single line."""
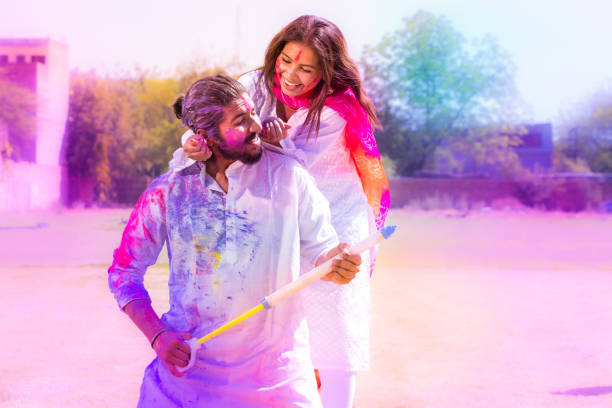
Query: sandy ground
{"points": [[489, 310]]}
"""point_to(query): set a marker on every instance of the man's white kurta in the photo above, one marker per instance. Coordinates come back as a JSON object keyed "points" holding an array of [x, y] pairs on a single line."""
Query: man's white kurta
{"points": [[227, 251]]}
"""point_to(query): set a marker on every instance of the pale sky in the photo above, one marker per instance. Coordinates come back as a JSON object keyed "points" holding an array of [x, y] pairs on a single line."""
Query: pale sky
{"points": [[562, 49]]}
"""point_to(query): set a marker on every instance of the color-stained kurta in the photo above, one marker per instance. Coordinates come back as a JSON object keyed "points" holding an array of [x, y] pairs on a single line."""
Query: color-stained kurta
{"points": [[338, 316], [227, 251]]}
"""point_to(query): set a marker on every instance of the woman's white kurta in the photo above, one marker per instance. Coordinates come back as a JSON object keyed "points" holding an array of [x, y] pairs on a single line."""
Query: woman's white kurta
{"points": [[338, 316]]}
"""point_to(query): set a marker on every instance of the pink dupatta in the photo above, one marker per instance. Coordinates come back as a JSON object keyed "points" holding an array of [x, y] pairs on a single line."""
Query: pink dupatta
{"points": [[360, 141]]}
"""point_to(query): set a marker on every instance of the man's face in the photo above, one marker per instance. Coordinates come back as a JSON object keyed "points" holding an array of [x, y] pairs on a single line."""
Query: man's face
{"points": [[239, 131]]}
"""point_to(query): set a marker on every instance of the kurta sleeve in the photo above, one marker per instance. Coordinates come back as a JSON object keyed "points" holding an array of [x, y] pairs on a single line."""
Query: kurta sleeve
{"points": [[317, 235], [143, 239], [256, 90], [249, 81], [180, 161]]}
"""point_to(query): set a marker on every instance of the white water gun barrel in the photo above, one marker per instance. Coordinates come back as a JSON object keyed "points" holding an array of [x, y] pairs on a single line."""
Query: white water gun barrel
{"points": [[318, 272]]}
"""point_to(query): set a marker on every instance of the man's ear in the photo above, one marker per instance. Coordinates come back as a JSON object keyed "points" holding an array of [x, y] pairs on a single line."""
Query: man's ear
{"points": [[208, 140]]}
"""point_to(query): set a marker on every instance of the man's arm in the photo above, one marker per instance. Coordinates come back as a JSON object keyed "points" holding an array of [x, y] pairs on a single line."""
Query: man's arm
{"points": [[168, 345], [143, 238]]}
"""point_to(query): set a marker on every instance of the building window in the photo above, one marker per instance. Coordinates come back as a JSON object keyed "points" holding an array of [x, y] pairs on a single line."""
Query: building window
{"points": [[38, 58], [20, 59], [531, 140], [3, 59]]}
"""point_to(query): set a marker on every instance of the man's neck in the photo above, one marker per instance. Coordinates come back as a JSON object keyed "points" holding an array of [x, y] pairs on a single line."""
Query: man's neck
{"points": [[216, 166]]}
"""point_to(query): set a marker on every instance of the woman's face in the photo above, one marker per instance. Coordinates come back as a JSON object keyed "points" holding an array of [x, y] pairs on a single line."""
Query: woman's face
{"points": [[298, 68]]}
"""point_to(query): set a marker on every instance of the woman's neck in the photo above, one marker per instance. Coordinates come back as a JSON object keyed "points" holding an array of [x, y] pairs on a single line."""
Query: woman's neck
{"points": [[283, 111]]}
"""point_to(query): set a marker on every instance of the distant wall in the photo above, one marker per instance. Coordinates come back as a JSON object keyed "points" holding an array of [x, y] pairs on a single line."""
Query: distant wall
{"points": [[565, 192], [405, 190], [25, 186]]}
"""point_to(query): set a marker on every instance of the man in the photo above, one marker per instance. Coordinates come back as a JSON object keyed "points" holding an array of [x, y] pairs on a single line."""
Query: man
{"points": [[235, 230]]}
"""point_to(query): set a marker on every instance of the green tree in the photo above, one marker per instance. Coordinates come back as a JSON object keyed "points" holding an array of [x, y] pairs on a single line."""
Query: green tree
{"points": [[484, 151], [158, 130], [94, 118], [586, 135], [122, 131], [430, 84]]}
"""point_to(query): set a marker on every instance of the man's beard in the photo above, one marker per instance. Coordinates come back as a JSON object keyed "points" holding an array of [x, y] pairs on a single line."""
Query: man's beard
{"points": [[252, 157], [247, 157]]}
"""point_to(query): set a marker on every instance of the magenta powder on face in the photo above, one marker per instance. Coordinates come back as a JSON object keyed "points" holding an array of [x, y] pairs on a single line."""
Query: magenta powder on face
{"points": [[312, 84], [234, 137]]}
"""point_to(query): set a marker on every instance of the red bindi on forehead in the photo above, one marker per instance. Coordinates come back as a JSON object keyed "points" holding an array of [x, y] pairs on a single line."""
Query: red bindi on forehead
{"points": [[297, 58]]}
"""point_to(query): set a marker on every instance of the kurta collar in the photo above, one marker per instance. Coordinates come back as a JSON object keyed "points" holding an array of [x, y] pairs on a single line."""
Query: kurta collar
{"points": [[211, 184]]}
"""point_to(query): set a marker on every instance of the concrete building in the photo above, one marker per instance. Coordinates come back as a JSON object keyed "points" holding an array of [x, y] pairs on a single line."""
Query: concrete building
{"points": [[536, 149], [31, 175]]}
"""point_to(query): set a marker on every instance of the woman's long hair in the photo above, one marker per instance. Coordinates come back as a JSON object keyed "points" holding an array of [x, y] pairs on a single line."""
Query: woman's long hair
{"points": [[338, 70]]}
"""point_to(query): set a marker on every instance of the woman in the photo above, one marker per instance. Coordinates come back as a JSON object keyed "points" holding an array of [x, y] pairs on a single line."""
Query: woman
{"points": [[310, 90]]}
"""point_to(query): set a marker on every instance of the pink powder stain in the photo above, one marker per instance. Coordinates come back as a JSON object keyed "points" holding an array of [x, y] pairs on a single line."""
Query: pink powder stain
{"points": [[235, 137], [122, 255], [248, 102], [312, 84]]}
